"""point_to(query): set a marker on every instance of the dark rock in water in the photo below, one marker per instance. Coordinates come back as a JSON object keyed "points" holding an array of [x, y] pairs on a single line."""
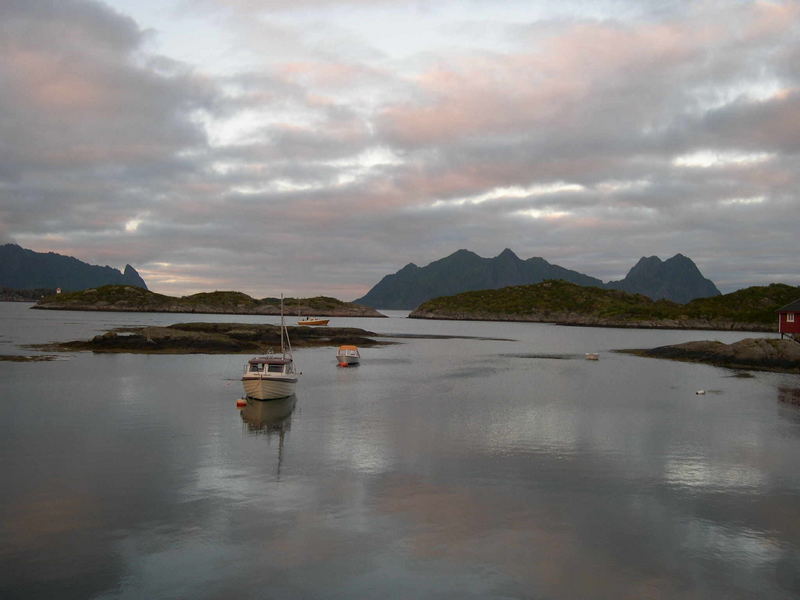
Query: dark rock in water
{"points": [[213, 338], [763, 354]]}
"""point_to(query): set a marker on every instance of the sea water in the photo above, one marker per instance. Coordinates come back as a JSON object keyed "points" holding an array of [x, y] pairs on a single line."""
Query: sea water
{"points": [[500, 464]]}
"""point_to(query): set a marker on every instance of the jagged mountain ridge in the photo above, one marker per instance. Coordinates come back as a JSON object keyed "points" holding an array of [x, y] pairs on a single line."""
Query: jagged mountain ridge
{"points": [[677, 279], [25, 269]]}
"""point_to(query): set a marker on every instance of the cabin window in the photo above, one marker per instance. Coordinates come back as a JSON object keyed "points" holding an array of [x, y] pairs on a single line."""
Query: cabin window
{"points": [[276, 368], [256, 368], [790, 317]]}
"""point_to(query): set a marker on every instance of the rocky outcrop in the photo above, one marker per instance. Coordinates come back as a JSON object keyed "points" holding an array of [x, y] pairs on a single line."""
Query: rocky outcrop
{"points": [[582, 320], [212, 338], [765, 354]]}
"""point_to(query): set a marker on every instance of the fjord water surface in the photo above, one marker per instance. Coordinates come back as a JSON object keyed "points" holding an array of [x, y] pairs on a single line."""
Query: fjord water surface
{"points": [[507, 467]]}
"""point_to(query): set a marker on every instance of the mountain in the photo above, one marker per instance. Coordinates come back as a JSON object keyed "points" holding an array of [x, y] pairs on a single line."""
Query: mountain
{"points": [[464, 271], [677, 279], [23, 269]]}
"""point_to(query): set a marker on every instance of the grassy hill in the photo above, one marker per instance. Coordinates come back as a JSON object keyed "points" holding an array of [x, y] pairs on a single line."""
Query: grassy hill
{"points": [[135, 299], [563, 302]]}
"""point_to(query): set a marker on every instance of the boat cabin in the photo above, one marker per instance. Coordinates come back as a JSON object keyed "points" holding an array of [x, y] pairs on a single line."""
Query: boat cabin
{"points": [[789, 320], [266, 364]]}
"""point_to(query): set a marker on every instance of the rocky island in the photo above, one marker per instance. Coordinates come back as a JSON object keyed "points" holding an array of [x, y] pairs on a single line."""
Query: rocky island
{"points": [[564, 303], [127, 298], [760, 354], [225, 338], [213, 338]]}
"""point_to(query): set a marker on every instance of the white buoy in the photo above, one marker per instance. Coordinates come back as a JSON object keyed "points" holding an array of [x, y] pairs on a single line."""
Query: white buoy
{"points": [[700, 392]]}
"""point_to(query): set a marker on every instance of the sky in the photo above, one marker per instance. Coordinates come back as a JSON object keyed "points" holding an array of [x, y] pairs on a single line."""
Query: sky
{"points": [[311, 147]]}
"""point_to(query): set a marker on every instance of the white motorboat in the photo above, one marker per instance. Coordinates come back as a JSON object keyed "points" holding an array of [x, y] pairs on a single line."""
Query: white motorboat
{"points": [[348, 355], [271, 376]]}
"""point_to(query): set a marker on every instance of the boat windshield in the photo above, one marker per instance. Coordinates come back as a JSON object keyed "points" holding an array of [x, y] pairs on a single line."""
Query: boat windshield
{"points": [[275, 369]]}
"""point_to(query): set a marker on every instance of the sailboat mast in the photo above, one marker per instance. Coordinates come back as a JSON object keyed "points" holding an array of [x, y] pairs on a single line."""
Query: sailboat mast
{"points": [[283, 330]]}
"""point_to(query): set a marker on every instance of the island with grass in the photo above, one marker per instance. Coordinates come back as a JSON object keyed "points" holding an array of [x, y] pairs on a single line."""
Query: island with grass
{"points": [[561, 302], [128, 298]]}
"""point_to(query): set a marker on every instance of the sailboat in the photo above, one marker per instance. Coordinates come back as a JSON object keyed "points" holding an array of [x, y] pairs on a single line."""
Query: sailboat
{"points": [[273, 375]]}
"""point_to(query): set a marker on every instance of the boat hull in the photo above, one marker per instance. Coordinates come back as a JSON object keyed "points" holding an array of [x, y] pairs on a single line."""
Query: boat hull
{"points": [[347, 360], [268, 388], [313, 322]]}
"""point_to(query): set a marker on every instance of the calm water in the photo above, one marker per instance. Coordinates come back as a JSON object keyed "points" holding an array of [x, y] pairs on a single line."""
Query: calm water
{"points": [[436, 469]]}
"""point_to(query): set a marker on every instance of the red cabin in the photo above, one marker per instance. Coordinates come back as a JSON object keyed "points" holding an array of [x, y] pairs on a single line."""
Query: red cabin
{"points": [[789, 320]]}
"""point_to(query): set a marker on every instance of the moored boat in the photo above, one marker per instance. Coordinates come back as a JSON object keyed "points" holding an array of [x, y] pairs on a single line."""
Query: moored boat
{"points": [[348, 355], [273, 375], [312, 321]]}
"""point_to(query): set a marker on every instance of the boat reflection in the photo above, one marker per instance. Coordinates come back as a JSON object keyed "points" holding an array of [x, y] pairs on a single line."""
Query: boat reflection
{"points": [[268, 416], [789, 395]]}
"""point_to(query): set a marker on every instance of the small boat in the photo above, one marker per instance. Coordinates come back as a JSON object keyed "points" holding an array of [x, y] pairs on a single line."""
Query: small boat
{"points": [[271, 376], [348, 355], [592, 356], [313, 321]]}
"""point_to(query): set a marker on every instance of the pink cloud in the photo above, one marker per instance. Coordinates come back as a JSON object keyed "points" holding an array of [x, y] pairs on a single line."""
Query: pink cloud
{"points": [[562, 79]]}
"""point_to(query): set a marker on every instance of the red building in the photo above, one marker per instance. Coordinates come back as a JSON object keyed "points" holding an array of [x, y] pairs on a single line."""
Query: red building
{"points": [[789, 320]]}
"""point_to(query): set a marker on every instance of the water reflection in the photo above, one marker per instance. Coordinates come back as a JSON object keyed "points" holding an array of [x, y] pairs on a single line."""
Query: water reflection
{"points": [[789, 395], [269, 416]]}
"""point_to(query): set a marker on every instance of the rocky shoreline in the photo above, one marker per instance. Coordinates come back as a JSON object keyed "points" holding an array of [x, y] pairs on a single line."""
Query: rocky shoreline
{"points": [[581, 320], [213, 338], [227, 338], [758, 354]]}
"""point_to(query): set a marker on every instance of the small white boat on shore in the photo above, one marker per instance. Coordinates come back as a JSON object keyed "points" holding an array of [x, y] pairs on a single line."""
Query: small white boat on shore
{"points": [[348, 355], [273, 375], [592, 356]]}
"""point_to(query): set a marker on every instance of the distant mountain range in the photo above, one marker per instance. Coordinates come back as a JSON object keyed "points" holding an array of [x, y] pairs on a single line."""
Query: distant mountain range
{"points": [[677, 279], [24, 269]]}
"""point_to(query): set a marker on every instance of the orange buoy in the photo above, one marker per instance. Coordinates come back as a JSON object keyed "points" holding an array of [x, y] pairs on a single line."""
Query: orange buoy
{"points": [[241, 403]]}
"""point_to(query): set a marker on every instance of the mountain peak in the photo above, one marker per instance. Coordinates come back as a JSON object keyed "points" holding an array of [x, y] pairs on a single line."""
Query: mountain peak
{"points": [[508, 253], [677, 279]]}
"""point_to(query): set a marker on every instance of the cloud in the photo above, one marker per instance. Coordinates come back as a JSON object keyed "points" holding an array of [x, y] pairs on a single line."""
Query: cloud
{"points": [[312, 156]]}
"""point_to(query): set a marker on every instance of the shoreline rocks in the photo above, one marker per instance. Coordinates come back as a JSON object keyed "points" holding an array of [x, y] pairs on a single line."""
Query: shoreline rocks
{"points": [[761, 354], [579, 320], [214, 338]]}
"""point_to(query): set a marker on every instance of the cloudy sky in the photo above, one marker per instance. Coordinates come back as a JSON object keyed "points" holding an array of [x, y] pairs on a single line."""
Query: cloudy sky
{"points": [[313, 146]]}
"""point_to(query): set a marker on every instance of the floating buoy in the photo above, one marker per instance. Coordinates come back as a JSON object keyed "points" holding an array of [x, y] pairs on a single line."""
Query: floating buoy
{"points": [[342, 364], [700, 392], [241, 403]]}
